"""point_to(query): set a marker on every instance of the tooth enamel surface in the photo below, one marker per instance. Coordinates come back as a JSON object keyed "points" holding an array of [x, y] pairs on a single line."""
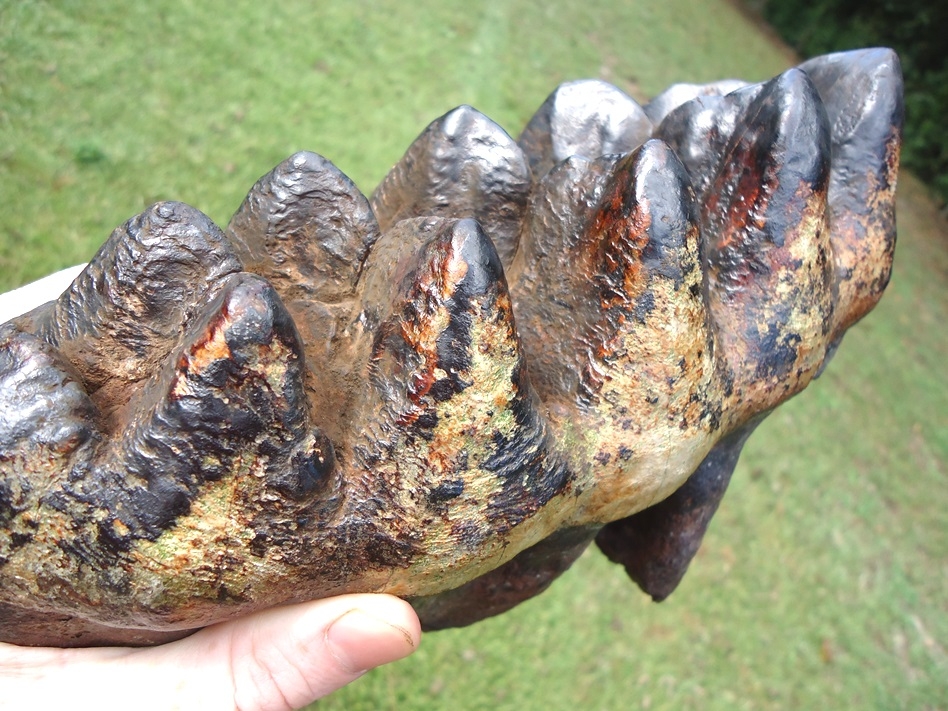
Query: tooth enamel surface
{"points": [[448, 390]]}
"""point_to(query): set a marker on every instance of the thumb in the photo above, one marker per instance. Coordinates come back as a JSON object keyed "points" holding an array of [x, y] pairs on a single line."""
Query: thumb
{"points": [[288, 657], [275, 660]]}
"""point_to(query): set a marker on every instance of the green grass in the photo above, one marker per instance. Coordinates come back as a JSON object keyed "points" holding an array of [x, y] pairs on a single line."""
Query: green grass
{"points": [[822, 581]]}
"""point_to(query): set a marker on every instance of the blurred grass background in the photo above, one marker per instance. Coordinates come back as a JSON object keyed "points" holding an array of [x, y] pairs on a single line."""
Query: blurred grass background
{"points": [[822, 582]]}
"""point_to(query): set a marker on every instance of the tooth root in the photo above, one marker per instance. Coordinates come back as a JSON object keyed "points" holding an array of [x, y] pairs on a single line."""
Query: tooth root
{"points": [[862, 93], [526, 575], [588, 118], [124, 312], [767, 248], [463, 165], [306, 228], [657, 545], [677, 94], [449, 391], [235, 387]]}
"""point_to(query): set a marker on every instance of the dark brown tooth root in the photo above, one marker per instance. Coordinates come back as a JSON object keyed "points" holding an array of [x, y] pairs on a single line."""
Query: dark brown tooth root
{"points": [[656, 545], [862, 93], [526, 575], [587, 118], [463, 165]]}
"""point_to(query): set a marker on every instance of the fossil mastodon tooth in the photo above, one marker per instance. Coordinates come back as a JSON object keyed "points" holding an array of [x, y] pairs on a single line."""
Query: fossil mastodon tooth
{"points": [[446, 391]]}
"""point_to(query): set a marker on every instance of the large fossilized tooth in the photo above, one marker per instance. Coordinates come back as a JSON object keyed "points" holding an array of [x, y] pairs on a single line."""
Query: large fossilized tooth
{"points": [[587, 118], [462, 165], [448, 402], [526, 575]]}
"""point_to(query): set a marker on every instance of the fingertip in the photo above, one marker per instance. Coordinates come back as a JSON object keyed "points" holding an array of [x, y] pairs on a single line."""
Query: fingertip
{"points": [[290, 656], [377, 630]]}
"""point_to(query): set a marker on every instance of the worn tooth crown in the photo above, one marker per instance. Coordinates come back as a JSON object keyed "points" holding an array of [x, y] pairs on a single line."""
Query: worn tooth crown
{"points": [[306, 227], [586, 118], [446, 391], [677, 94], [462, 165]]}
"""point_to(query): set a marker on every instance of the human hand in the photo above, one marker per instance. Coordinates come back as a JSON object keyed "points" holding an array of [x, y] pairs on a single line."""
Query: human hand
{"points": [[275, 660], [283, 658]]}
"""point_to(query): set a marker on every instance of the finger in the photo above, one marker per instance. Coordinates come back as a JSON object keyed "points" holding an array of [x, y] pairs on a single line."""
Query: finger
{"points": [[288, 657], [275, 660]]}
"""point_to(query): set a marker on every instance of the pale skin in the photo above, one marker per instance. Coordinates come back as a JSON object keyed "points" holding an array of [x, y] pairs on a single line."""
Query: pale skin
{"points": [[275, 660]]}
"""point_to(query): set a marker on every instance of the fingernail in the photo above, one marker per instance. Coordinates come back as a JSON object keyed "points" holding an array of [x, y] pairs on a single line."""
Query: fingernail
{"points": [[360, 641]]}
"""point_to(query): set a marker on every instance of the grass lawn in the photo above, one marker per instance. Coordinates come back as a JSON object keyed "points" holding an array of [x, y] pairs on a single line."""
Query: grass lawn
{"points": [[822, 581]]}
